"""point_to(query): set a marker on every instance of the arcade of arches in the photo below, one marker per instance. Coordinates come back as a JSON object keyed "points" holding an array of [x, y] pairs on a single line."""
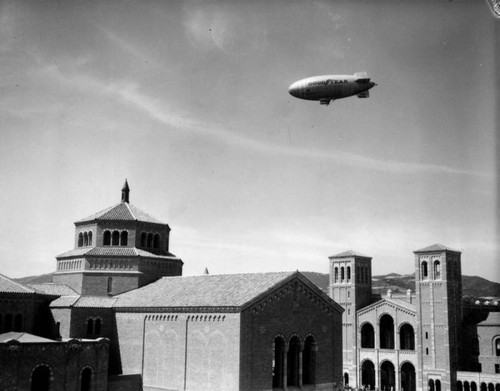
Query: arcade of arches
{"points": [[294, 363], [387, 374]]}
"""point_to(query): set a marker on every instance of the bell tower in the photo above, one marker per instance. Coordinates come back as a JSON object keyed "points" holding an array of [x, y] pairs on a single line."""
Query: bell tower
{"points": [[438, 280], [351, 287]]}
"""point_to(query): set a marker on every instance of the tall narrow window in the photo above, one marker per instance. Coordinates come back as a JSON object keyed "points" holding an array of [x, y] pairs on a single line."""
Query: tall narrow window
{"points": [[342, 274], [18, 322], [116, 238], [124, 238], [143, 239], [279, 362], [497, 347], [156, 241], [309, 361], [110, 285], [425, 273], [106, 238], [348, 273], [150, 240], [90, 238], [437, 269], [85, 239], [336, 274], [80, 239]]}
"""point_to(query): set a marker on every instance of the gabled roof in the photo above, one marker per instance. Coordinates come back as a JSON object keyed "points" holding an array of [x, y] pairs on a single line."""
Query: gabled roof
{"points": [[10, 286], [114, 251], [23, 337], [223, 290], [121, 211], [394, 301], [52, 289], [349, 253], [436, 247]]}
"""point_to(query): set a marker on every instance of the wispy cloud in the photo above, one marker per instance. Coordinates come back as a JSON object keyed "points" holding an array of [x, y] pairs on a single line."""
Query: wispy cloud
{"points": [[165, 113]]}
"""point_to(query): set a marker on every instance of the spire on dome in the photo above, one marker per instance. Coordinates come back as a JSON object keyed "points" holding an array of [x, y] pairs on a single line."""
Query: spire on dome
{"points": [[125, 192]]}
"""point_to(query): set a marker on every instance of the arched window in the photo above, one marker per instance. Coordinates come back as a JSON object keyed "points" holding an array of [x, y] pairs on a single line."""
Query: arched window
{"points": [[491, 387], [90, 238], [18, 322], [40, 378], [293, 362], [425, 274], [116, 238], [406, 337], [346, 379], [106, 238], [309, 361], [80, 239], [496, 346], [156, 241], [484, 387], [342, 274], [386, 332], [367, 336], [467, 387], [124, 238], [279, 362], [143, 239], [86, 379], [110, 285], [431, 385], [438, 385], [473, 386], [460, 386], [437, 274], [336, 274], [8, 323], [150, 240], [85, 239], [348, 273]]}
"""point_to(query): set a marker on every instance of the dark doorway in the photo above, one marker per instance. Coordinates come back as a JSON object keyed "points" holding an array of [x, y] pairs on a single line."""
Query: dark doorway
{"points": [[408, 380], [387, 376], [368, 374], [279, 362]]}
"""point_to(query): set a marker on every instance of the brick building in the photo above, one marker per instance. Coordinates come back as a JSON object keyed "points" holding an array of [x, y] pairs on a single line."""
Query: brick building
{"points": [[415, 341], [121, 286]]}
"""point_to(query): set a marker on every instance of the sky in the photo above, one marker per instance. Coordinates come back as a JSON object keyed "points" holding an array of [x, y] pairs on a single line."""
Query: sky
{"points": [[189, 101]]}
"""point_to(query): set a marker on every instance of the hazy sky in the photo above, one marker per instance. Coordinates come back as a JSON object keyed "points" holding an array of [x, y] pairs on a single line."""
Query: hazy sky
{"points": [[189, 101]]}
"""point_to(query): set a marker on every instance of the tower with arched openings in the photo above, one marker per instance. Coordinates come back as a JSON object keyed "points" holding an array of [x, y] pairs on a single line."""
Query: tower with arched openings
{"points": [[117, 249], [350, 286], [438, 281]]}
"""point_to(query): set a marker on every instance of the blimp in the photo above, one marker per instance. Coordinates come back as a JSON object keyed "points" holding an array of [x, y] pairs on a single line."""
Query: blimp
{"points": [[328, 88]]}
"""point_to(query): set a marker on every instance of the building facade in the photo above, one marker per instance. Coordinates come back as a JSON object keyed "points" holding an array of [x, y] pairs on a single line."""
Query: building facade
{"points": [[415, 340]]}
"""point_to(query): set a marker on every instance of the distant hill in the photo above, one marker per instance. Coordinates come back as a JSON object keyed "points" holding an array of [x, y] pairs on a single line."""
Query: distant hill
{"points": [[472, 286]]}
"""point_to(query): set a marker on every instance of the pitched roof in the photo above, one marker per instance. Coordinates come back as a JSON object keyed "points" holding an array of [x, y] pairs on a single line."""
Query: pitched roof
{"points": [[349, 253], [10, 286], [64, 301], [52, 289], [436, 247], [23, 337], [114, 251], [121, 211], [223, 290]]}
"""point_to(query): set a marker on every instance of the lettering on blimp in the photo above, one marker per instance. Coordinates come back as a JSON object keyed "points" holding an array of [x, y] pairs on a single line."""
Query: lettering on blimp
{"points": [[325, 82]]}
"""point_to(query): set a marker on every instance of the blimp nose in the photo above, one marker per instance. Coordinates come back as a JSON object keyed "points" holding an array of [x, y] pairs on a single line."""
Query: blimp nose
{"points": [[294, 89]]}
